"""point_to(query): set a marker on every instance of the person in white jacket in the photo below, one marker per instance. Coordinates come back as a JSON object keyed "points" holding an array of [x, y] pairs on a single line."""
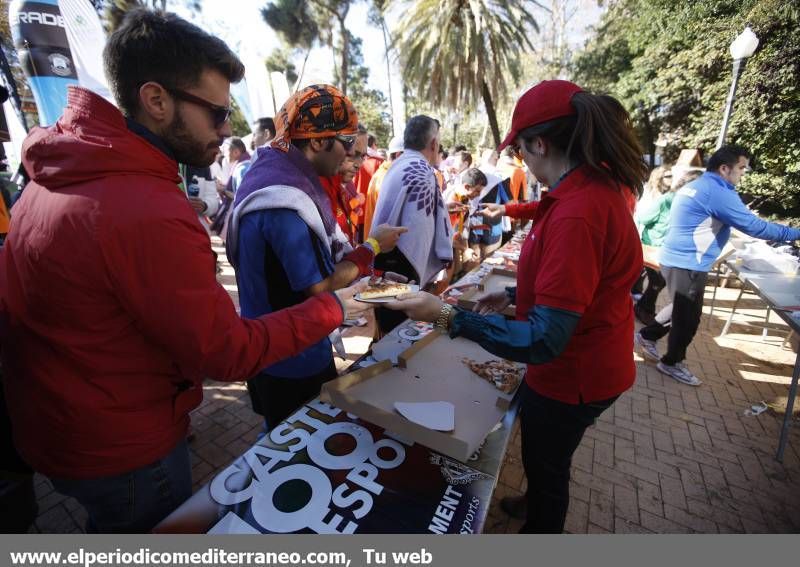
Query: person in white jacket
{"points": [[201, 192]]}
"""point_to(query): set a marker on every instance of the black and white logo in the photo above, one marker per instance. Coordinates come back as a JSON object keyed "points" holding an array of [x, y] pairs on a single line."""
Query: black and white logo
{"points": [[454, 472], [60, 64]]}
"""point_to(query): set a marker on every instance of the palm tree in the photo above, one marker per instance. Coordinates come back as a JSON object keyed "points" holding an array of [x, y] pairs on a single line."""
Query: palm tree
{"points": [[301, 23], [330, 16], [376, 17], [295, 25], [456, 51], [113, 11]]}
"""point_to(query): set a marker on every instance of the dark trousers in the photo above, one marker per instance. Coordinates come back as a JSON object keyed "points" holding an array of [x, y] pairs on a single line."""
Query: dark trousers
{"points": [[394, 261], [136, 501], [16, 480], [655, 283], [276, 397], [686, 288], [551, 432]]}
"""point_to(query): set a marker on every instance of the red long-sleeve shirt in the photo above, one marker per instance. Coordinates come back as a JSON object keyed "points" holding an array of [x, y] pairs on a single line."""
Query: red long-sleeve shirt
{"points": [[112, 312]]}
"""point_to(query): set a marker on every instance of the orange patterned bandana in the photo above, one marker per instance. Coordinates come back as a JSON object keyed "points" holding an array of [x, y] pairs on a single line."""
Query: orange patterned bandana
{"points": [[317, 111]]}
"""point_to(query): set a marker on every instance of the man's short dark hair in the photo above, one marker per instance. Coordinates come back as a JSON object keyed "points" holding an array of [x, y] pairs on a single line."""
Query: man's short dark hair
{"points": [[727, 155], [460, 148], [464, 156], [265, 124], [371, 141], [474, 176], [237, 144], [419, 131], [163, 48]]}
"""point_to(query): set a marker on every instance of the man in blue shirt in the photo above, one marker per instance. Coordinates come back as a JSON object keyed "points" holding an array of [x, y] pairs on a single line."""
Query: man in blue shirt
{"points": [[285, 244], [701, 218]]}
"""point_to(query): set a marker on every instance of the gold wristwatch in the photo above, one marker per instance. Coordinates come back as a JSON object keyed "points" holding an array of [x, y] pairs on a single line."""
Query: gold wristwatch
{"points": [[443, 320]]}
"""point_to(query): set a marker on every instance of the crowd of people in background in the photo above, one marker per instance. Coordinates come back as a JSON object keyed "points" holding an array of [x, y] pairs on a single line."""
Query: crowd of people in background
{"points": [[101, 377]]}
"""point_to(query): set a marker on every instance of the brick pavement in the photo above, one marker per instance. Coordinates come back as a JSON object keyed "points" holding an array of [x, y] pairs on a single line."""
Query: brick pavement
{"points": [[666, 458]]}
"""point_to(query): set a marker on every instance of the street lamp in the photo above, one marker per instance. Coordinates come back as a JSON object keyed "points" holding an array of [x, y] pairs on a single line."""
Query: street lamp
{"points": [[742, 47]]}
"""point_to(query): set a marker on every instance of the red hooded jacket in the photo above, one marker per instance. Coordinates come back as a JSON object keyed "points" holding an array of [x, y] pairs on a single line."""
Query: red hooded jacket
{"points": [[112, 312]]}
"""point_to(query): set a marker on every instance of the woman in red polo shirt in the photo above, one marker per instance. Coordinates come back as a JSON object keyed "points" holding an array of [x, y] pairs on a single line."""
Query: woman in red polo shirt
{"points": [[574, 317]]}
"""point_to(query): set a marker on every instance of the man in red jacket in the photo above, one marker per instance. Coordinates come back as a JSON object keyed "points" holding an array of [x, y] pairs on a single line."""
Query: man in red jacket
{"points": [[112, 313]]}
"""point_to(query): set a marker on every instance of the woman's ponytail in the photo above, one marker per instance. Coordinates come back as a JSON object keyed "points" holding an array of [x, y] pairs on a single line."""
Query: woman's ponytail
{"points": [[600, 134], [605, 140]]}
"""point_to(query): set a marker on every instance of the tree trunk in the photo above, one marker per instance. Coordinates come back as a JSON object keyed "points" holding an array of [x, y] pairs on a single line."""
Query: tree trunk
{"points": [[299, 80], [650, 144], [490, 112], [345, 49], [388, 70]]}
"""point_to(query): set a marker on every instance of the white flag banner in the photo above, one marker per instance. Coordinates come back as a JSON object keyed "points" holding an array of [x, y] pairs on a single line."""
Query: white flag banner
{"points": [[241, 95], [86, 41], [17, 133], [258, 88], [280, 88]]}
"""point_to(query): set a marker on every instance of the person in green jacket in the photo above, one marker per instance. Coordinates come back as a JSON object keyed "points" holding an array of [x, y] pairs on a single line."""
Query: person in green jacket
{"points": [[653, 222]]}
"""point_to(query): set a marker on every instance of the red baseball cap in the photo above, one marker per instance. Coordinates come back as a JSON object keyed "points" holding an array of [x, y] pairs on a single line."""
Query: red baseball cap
{"points": [[543, 102]]}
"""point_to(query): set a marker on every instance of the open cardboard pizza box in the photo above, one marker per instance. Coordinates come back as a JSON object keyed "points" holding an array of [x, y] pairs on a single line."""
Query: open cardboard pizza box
{"points": [[496, 280], [430, 371], [502, 265]]}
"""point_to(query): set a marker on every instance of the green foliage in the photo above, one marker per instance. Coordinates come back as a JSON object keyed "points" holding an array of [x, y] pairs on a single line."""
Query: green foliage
{"points": [[113, 11], [293, 22], [668, 63], [370, 104], [471, 127], [280, 60], [301, 23], [239, 125], [457, 52]]}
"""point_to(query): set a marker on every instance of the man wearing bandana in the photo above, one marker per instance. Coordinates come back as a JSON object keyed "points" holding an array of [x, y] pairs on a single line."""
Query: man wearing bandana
{"points": [[284, 241]]}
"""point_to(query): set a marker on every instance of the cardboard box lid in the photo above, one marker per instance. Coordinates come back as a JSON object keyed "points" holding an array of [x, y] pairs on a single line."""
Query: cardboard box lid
{"points": [[496, 280], [431, 370]]}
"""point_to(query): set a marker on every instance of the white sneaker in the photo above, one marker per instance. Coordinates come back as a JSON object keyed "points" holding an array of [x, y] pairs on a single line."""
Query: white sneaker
{"points": [[680, 373], [649, 348]]}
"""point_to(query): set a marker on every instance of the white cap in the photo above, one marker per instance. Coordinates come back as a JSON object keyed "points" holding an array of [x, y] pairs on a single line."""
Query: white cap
{"points": [[395, 145]]}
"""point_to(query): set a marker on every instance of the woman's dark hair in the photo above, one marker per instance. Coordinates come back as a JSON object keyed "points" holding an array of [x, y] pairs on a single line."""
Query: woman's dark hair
{"points": [[161, 47], [600, 135]]}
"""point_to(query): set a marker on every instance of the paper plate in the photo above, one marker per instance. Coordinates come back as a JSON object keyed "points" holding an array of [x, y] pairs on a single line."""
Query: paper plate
{"points": [[439, 416], [413, 288], [415, 331]]}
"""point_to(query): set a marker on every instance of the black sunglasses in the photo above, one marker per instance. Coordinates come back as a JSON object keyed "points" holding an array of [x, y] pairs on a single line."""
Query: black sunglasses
{"points": [[219, 114], [347, 141]]}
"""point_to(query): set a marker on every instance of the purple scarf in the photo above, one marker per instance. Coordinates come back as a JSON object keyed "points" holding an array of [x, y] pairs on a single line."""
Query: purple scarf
{"points": [[274, 167]]}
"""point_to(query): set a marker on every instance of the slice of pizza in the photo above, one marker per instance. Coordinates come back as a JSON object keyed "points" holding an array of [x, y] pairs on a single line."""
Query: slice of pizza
{"points": [[503, 374], [384, 289]]}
